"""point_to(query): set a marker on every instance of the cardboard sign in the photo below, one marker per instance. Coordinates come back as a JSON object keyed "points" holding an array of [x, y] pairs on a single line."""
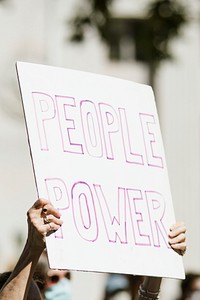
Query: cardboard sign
{"points": [[98, 155]]}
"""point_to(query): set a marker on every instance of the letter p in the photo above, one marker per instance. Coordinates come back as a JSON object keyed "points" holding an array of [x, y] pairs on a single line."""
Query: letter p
{"points": [[44, 111]]}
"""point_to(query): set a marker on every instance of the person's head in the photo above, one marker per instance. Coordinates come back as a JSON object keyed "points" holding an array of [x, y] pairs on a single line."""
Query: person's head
{"points": [[33, 293], [59, 290], [53, 284], [190, 285]]}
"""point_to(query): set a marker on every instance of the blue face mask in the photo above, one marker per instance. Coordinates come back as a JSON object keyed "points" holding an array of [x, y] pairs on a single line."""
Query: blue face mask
{"points": [[195, 295], [59, 291]]}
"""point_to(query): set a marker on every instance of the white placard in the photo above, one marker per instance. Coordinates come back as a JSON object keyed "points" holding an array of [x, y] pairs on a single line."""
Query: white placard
{"points": [[98, 155]]}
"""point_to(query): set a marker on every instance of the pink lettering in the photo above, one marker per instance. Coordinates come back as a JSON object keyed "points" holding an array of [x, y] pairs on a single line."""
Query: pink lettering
{"points": [[139, 217], [105, 131], [149, 133], [65, 106], [144, 210], [84, 212], [44, 111], [91, 129], [110, 125], [57, 192], [130, 156], [115, 226], [156, 207]]}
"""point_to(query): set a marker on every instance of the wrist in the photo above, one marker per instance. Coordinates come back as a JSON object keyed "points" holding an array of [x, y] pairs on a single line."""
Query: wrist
{"points": [[152, 284], [34, 249], [35, 241], [146, 294]]}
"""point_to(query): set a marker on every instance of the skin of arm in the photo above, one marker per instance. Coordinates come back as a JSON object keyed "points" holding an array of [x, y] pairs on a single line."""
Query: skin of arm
{"points": [[18, 284], [177, 241]]}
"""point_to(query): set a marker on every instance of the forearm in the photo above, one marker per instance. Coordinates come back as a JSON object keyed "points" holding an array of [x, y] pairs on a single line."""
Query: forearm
{"points": [[18, 284], [150, 288]]}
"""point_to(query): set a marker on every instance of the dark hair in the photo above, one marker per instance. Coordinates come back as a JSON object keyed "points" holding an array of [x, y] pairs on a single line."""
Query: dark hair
{"points": [[3, 278], [186, 284]]}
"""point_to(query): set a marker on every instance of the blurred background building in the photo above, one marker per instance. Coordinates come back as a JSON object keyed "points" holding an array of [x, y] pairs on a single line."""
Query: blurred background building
{"points": [[40, 31]]}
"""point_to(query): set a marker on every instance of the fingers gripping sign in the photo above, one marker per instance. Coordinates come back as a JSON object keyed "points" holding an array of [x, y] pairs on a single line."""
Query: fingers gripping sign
{"points": [[43, 219], [177, 238]]}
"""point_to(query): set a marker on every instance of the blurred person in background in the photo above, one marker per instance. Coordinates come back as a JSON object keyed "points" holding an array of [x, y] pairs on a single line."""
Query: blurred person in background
{"points": [[190, 287], [53, 284], [43, 220], [122, 286]]}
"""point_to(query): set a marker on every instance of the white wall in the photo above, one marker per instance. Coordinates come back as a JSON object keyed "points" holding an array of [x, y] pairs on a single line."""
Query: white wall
{"points": [[178, 99], [21, 38], [179, 92]]}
